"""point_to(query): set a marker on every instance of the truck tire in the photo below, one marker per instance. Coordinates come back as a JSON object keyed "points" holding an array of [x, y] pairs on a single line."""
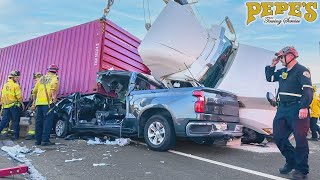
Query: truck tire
{"points": [[62, 127], [251, 136], [159, 133]]}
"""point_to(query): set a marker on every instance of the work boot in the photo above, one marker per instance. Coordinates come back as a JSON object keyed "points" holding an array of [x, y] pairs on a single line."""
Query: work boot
{"points": [[298, 175], [29, 137], [287, 168], [37, 143], [47, 143]]}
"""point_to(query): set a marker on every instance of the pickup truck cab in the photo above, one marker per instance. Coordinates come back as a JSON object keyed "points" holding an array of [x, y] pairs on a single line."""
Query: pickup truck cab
{"points": [[137, 105]]}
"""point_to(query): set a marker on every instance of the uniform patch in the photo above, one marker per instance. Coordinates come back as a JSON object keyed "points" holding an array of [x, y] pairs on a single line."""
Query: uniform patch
{"points": [[284, 75], [307, 74]]}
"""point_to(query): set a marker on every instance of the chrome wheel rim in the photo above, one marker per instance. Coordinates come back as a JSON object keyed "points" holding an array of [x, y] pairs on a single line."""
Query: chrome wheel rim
{"points": [[60, 127], [156, 133]]}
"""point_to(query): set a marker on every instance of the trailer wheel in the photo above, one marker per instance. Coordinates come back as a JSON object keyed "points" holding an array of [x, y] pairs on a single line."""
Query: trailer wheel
{"points": [[62, 127], [251, 136], [159, 133]]}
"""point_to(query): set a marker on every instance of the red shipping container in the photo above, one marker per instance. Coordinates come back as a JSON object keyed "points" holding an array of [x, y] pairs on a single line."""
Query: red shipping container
{"points": [[80, 52]]}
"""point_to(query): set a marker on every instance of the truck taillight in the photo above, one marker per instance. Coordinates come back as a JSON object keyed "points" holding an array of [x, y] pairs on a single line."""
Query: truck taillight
{"points": [[199, 104]]}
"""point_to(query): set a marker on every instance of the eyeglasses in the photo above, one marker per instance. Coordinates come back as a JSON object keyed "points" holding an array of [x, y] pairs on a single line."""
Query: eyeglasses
{"points": [[280, 57]]}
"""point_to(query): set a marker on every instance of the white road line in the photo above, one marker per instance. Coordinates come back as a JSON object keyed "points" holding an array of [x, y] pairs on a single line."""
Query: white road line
{"points": [[257, 173]]}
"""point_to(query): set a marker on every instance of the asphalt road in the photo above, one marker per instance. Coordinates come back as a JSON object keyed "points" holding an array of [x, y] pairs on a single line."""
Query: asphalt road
{"points": [[136, 162]]}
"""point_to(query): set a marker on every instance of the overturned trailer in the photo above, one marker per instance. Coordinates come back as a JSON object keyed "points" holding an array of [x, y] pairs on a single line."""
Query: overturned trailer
{"points": [[182, 53], [80, 52]]}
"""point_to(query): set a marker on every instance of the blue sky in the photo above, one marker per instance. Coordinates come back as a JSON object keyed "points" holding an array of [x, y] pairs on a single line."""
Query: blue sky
{"points": [[21, 20]]}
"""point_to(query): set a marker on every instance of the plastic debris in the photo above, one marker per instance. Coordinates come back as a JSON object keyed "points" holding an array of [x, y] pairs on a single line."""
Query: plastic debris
{"points": [[101, 164], [148, 173], [38, 151], [73, 159], [15, 149], [162, 162], [119, 142]]}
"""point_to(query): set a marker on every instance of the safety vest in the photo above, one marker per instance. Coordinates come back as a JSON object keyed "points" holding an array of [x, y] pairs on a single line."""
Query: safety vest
{"points": [[51, 82], [11, 94], [315, 106]]}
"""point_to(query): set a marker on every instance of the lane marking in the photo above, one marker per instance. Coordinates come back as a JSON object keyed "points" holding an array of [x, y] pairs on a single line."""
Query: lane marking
{"points": [[257, 173]]}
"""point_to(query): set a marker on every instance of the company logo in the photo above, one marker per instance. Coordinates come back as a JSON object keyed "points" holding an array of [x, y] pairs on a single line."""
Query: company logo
{"points": [[278, 13]]}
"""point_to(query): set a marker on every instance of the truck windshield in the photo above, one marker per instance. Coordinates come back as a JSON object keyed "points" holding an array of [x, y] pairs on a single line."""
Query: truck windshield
{"points": [[215, 72]]}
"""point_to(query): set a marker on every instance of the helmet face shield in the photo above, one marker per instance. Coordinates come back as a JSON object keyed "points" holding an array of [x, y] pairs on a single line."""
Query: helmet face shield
{"points": [[14, 74], [53, 68]]}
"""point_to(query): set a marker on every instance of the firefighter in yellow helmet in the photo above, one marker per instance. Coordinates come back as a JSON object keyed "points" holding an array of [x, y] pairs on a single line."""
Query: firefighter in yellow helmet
{"points": [[11, 99], [45, 92], [315, 113], [31, 110]]}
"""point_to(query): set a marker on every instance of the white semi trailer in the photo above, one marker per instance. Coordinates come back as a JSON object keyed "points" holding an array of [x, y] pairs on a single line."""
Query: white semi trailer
{"points": [[183, 53]]}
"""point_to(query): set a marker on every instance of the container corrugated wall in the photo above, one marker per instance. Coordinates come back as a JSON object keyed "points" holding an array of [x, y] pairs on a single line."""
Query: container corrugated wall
{"points": [[77, 52], [120, 50]]}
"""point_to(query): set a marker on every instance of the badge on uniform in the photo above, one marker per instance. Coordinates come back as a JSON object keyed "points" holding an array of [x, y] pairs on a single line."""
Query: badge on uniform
{"points": [[307, 74], [284, 75]]}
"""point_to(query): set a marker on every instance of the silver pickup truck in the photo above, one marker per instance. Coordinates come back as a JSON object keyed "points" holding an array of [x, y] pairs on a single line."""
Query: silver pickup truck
{"points": [[137, 105]]}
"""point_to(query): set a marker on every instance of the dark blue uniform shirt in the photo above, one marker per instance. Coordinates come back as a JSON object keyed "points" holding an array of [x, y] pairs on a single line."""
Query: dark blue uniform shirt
{"points": [[294, 85]]}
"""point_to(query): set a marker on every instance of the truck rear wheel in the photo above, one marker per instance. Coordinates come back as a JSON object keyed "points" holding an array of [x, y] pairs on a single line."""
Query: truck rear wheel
{"points": [[159, 133]]}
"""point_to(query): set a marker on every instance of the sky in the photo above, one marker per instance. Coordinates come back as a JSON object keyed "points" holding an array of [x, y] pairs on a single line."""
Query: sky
{"points": [[21, 20]]}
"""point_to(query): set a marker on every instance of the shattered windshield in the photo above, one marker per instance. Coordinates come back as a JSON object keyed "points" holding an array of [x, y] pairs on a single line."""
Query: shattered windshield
{"points": [[156, 83], [215, 72]]}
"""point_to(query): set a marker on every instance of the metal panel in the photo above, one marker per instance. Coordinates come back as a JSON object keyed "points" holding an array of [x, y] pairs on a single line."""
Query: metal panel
{"points": [[120, 50], [71, 49], [77, 52]]}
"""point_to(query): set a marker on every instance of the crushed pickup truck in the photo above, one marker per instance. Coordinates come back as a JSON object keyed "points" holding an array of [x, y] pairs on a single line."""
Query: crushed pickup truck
{"points": [[137, 105]]}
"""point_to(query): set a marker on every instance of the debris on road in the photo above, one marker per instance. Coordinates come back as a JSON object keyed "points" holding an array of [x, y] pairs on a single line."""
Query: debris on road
{"points": [[38, 151], [119, 142], [101, 164], [73, 159], [265, 148], [18, 153]]}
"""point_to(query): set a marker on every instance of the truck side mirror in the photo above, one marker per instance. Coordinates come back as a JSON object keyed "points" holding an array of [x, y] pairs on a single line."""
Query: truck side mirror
{"points": [[272, 99]]}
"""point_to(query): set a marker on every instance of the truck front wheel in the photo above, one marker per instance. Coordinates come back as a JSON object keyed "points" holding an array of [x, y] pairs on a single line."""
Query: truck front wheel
{"points": [[159, 133], [62, 128]]}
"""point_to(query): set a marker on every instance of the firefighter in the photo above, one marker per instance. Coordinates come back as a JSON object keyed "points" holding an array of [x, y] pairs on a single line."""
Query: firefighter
{"points": [[11, 100], [315, 113], [295, 96], [31, 131], [45, 95]]}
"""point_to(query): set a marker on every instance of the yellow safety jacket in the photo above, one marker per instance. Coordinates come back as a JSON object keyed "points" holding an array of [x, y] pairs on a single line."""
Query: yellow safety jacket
{"points": [[32, 91], [51, 81], [11, 94], [315, 106]]}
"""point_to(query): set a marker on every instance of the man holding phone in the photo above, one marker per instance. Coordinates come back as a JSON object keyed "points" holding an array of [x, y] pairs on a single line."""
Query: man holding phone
{"points": [[295, 96]]}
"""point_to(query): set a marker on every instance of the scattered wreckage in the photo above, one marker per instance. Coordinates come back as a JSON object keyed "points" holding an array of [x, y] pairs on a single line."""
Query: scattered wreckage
{"points": [[137, 105]]}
